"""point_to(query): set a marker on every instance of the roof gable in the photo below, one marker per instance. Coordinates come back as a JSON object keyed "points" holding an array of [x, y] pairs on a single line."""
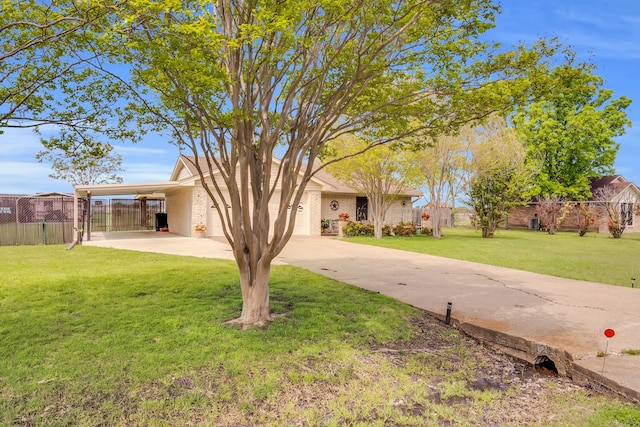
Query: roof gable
{"points": [[615, 182], [185, 169], [341, 187]]}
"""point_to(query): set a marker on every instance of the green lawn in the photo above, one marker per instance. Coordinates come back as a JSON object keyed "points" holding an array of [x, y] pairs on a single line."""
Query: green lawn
{"points": [[97, 336], [594, 257]]}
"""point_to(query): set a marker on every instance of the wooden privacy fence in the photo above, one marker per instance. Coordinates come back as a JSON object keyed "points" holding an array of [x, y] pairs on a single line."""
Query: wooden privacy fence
{"points": [[446, 215], [33, 220]]}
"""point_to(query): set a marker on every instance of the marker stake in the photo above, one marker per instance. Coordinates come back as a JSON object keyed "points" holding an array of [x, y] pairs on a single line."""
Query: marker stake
{"points": [[609, 333]]}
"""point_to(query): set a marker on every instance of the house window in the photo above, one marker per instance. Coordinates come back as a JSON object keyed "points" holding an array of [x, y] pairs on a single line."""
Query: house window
{"points": [[362, 211], [626, 213]]}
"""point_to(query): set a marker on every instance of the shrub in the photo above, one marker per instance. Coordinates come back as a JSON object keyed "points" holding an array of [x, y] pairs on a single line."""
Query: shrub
{"points": [[586, 220], [404, 229], [352, 229], [357, 229]]}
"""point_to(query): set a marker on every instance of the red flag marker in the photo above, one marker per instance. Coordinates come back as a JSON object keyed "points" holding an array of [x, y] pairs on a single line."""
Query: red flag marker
{"points": [[609, 333]]}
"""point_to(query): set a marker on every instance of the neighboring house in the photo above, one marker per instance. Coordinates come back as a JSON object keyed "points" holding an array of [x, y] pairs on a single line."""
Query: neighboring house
{"points": [[188, 204], [625, 194]]}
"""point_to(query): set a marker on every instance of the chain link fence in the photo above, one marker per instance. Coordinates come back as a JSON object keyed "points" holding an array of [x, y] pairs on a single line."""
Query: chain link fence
{"points": [[32, 220]]}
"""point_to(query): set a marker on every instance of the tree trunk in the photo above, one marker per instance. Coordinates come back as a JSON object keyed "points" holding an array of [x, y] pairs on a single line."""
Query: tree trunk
{"points": [[378, 223], [487, 232], [436, 227], [551, 227], [254, 282], [377, 230]]}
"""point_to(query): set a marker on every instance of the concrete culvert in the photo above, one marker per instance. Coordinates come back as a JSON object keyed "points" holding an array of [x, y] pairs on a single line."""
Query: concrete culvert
{"points": [[546, 365]]}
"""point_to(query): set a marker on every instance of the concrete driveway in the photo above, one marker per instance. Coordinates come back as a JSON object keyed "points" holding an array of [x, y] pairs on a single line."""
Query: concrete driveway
{"points": [[530, 316]]}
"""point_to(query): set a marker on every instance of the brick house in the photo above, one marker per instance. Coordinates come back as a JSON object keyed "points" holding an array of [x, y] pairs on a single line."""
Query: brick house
{"points": [[625, 195], [188, 204]]}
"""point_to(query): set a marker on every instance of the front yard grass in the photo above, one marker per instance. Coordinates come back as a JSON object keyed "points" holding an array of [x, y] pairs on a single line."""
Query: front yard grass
{"points": [[594, 257], [98, 336]]}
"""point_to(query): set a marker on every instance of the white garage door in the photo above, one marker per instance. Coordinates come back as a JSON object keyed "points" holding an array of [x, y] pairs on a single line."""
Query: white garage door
{"points": [[302, 214], [214, 226]]}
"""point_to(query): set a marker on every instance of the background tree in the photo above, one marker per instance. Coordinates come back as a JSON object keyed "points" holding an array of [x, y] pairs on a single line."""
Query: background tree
{"points": [[238, 82], [86, 164], [382, 173], [617, 208], [586, 218], [499, 179], [442, 162], [570, 135], [552, 211]]}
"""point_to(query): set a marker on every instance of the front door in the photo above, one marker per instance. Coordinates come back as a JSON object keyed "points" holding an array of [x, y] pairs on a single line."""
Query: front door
{"points": [[362, 209]]}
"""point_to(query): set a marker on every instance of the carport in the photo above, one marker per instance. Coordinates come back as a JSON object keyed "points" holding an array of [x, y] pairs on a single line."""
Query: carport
{"points": [[140, 190]]}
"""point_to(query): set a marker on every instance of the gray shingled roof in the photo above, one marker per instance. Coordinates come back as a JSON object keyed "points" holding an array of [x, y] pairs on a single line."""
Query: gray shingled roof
{"points": [[616, 182], [322, 175]]}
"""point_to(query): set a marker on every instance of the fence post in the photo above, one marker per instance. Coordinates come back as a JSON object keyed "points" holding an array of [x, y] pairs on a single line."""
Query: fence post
{"points": [[44, 232]]}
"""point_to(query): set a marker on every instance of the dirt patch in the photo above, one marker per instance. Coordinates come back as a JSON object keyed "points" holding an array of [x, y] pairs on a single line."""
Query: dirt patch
{"points": [[529, 394]]}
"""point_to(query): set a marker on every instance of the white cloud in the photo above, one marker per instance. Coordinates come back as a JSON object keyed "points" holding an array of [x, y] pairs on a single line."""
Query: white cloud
{"points": [[137, 150], [147, 171], [28, 178], [21, 173], [581, 18], [18, 144], [610, 47], [635, 20], [609, 31]]}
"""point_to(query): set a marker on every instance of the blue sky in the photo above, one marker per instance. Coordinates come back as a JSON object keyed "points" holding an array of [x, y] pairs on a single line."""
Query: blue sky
{"points": [[604, 32]]}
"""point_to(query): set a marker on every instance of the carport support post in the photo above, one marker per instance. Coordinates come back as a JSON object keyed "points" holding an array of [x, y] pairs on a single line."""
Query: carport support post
{"points": [[75, 216], [144, 223], [88, 216]]}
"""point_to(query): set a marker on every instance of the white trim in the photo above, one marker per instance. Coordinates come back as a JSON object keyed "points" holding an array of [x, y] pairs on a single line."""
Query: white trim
{"points": [[122, 189]]}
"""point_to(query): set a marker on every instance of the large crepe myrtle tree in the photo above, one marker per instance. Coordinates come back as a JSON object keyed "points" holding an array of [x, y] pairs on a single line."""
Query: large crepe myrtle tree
{"points": [[240, 82]]}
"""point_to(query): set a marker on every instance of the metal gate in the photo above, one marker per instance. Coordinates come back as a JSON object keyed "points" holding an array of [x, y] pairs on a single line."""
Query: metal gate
{"points": [[109, 215]]}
